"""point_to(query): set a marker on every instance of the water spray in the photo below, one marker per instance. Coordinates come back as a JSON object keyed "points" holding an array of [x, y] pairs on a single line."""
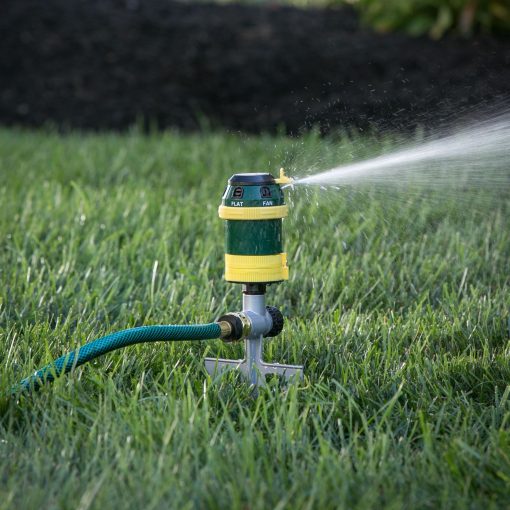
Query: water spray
{"points": [[476, 155], [253, 208]]}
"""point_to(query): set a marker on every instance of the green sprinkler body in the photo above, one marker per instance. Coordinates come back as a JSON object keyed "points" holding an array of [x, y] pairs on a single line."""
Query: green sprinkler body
{"points": [[253, 207]]}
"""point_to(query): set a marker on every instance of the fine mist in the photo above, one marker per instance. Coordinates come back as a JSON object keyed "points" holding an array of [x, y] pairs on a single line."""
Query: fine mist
{"points": [[476, 155]]}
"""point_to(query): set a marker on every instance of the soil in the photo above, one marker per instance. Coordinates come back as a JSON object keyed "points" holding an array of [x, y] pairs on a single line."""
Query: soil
{"points": [[107, 64]]}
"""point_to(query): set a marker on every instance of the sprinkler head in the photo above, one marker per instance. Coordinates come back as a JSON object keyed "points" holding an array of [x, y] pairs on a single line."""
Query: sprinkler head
{"points": [[253, 206]]}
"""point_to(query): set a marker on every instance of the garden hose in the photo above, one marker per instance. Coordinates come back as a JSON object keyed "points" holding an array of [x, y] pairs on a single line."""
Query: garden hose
{"points": [[109, 343]]}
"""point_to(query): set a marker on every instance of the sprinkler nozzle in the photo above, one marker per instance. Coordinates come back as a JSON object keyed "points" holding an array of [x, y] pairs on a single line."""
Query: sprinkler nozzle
{"points": [[283, 179]]}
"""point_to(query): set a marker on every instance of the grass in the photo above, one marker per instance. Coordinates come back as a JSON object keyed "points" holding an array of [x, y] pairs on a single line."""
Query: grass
{"points": [[397, 306]]}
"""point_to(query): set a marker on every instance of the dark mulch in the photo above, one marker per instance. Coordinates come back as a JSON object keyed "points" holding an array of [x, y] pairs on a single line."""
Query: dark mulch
{"points": [[109, 63]]}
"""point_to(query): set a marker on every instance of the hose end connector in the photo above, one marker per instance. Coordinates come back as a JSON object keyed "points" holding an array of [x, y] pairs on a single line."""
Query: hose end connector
{"points": [[234, 326]]}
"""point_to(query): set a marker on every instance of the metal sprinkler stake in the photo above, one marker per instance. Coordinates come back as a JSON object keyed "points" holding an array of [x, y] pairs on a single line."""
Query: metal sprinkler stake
{"points": [[253, 206]]}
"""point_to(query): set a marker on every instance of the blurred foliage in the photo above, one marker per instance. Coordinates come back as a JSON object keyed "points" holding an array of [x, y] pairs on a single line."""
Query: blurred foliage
{"points": [[435, 17], [427, 17]]}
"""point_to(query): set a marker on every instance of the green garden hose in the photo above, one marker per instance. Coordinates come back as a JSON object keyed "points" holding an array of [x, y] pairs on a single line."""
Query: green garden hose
{"points": [[109, 343]]}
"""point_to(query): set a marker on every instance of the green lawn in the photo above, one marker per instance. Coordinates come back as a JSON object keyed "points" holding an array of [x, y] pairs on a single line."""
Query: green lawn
{"points": [[397, 305]]}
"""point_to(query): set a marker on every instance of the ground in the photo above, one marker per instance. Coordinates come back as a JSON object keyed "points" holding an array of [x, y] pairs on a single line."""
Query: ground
{"points": [[102, 64], [397, 305]]}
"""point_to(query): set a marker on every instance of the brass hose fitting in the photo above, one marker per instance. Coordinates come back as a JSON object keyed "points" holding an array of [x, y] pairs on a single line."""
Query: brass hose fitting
{"points": [[234, 326]]}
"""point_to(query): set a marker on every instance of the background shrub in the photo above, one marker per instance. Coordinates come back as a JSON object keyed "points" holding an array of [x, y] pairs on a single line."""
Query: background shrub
{"points": [[436, 17]]}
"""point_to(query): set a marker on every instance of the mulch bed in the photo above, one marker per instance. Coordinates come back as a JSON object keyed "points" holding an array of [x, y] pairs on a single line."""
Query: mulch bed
{"points": [[106, 64]]}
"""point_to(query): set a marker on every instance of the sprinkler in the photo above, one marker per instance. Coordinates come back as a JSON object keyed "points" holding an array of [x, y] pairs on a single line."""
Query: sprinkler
{"points": [[253, 208]]}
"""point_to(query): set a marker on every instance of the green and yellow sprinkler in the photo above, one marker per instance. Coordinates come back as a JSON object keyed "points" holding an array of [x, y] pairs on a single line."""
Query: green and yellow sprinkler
{"points": [[253, 208]]}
